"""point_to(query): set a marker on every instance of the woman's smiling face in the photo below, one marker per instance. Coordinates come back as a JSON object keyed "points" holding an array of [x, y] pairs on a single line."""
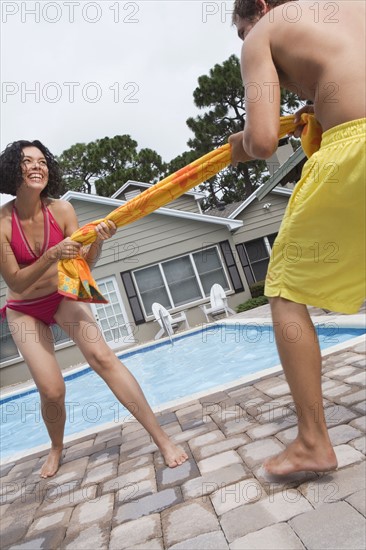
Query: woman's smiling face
{"points": [[34, 168]]}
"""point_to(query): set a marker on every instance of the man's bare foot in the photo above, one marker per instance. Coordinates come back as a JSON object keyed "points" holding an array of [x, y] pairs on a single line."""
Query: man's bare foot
{"points": [[173, 455], [52, 463], [299, 457]]}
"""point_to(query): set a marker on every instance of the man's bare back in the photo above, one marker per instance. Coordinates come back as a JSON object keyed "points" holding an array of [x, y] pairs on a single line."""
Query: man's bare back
{"points": [[318, 51]]}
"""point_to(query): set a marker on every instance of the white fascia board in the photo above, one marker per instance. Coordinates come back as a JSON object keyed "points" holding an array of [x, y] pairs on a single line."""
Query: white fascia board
{"points": [[282, 191], [70, 195], [232, 225], [243, 205], [196, 194]]}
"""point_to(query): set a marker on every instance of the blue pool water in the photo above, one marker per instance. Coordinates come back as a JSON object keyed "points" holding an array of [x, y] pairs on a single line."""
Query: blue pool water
{"points": [[196, 362]]}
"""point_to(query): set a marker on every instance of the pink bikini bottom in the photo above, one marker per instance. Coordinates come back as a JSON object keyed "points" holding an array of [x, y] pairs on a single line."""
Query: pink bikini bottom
{"points": [[43, 308]]}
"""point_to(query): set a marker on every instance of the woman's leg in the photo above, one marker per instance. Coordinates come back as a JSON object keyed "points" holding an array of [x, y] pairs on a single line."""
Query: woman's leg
{"points": [[300, 356], [34, 340], [119, 379]]}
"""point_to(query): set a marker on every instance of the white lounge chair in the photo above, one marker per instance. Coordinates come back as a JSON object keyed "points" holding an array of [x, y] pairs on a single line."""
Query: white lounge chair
{"points": [[168, 323], [218, 303]]}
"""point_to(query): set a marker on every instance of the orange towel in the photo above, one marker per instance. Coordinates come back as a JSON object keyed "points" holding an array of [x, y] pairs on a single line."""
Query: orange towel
{"points": [[74, 276]]}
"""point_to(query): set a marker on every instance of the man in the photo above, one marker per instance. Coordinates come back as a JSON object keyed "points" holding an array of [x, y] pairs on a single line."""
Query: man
{"points": [[318, 51]]}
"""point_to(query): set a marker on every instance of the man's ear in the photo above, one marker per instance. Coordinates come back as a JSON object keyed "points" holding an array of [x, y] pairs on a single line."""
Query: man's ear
{"points": [[262, 6]]}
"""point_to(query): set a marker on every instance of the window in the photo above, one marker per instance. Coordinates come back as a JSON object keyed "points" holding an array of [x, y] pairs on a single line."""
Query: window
{"points": [[182, 280], [8, 349], [258, 252], [271, 239], [258, 257], [112, 316]]}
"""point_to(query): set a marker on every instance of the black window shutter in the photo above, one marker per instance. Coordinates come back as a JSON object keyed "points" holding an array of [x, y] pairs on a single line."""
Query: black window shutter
{"points": [[244, 260], [133, 299], [231, 266]]}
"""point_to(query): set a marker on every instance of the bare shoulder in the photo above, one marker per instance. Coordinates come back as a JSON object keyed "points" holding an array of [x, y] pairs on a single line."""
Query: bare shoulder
{"points": [[59, 206], [63, 212], [6, 209], [295, 16], [5, 219]]}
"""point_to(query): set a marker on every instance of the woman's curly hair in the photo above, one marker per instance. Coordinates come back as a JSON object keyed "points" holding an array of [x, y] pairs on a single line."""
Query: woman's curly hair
{"points": [[11, 176], [250, 9]]}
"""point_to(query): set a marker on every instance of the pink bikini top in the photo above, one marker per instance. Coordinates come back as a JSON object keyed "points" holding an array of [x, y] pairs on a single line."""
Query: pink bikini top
{"points": [[19, 243]]}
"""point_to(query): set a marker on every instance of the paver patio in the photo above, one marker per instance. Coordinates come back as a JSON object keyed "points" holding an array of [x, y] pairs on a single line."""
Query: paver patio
{"points": [[113, 491]]}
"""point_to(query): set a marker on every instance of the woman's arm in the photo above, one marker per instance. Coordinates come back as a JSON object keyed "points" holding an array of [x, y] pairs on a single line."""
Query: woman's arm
{"points": [[92, 252], [63, 210], [20, 279]]}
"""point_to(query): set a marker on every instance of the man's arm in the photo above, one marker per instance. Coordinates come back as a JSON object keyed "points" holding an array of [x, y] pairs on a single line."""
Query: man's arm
{"points": [[262, 94]]}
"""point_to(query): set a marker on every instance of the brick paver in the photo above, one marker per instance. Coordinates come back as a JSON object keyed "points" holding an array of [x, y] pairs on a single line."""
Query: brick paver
{"points": [[215, 540], [335, 486], [188, 520], [281, 506], [358, 501], [214, 480], [326, 527], [218, 461], [270, 538], [135, 532], [113, 490], [255, 453]]}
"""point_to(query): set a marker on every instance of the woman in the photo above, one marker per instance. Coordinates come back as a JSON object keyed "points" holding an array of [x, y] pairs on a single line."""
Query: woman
{"points": [[35, 234]]}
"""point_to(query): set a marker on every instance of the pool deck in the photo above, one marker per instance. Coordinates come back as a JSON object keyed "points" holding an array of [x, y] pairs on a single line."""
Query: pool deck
{"points": [[113, 491]]}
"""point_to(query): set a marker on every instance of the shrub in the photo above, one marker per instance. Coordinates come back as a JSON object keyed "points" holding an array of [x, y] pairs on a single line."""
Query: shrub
{"points": [[252, 303], [257, 289]]}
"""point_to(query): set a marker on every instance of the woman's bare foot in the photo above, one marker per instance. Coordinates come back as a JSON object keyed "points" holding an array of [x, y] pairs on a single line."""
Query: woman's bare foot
{"points": [[173, 455], [52, 463], [299, 457]]}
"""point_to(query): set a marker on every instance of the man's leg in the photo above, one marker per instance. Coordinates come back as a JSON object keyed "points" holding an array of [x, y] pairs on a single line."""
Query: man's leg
{"points": [[300, 356]]}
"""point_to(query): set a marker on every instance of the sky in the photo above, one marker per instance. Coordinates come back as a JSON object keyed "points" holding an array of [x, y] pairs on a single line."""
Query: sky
{"points": [[76, 71]]}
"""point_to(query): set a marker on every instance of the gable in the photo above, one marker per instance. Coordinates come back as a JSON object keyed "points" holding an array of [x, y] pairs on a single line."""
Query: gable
{"points": [[261, 218], [187, 202]]}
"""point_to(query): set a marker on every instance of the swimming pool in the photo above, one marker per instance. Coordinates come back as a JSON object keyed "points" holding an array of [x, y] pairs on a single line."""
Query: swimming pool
{"points": [[199, 361]]}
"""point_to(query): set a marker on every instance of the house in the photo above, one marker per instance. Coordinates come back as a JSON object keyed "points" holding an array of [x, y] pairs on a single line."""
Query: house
{"points": [[172, 256]]}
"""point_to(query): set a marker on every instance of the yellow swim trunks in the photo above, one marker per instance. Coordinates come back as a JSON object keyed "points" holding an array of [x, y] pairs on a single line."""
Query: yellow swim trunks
{"points": [[318, 257]]}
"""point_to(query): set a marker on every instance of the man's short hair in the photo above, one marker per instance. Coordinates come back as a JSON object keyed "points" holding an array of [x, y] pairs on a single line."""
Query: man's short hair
{"points": [[251, 9]]}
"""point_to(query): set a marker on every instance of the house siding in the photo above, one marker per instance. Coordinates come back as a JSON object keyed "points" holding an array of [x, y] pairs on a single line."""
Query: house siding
{"points": [[259, 222], [186, 203]]}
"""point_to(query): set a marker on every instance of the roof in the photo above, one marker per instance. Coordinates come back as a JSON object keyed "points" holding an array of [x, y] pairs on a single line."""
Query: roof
{"points": [[295, 159], [224, 212], [232, 225], [196, 194], [234, 209]]}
